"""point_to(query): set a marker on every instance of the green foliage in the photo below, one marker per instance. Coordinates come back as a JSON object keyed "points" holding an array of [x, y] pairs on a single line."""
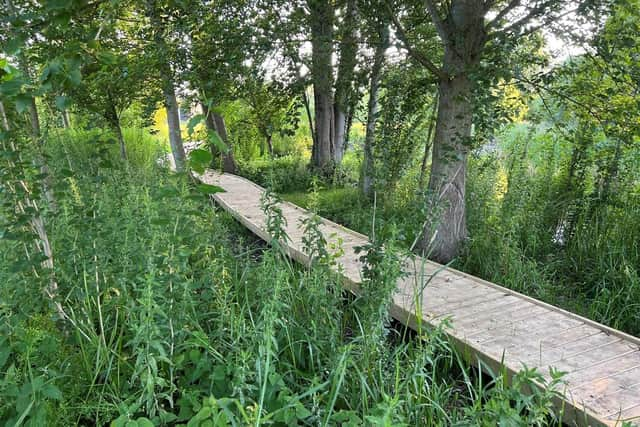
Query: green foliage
{"points": [[282, 174], [402, 122], [179, 318]]}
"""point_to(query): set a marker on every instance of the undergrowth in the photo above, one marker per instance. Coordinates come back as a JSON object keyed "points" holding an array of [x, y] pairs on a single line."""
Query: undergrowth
{"points": [[177, 317]]}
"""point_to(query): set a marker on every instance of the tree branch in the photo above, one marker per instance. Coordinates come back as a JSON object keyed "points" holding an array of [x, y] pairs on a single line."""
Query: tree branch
{"points": [[533, 13], [418, 56], [437, 21], [508, 8]]}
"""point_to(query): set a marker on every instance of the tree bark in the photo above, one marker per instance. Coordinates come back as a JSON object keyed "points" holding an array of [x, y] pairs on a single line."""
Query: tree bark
{"points": [[228, 160], [344, 81], [427, 143], [446, 226], [211, 127], [36, 136], [42, 242], [368, 168], [321, 51], [118, 130], [270, 145], [307, 109], [464, 36], [173, 121]]}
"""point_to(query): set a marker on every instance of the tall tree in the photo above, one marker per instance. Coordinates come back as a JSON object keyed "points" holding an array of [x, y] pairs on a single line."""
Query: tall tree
{"points": [[345, 92], [367, 173], [321, 16], [111, 82], [225, 43], [159, 14], [469, 34]]}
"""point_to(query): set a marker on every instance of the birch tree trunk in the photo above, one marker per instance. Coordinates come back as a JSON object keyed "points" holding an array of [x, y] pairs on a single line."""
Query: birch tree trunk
{"points": [[36, 136], [42, 242]]}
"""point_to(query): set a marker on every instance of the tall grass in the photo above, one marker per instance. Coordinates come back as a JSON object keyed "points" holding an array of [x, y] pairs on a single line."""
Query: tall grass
{"points": [[180, 317], [515, 205]]}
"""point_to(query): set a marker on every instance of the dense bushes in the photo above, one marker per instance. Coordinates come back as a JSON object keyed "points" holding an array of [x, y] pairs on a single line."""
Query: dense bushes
{"points": [[290, 173]]}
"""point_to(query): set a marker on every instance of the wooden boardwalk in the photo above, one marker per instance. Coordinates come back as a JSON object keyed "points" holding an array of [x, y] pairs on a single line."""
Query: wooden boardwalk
{"points": [[487, 322]]}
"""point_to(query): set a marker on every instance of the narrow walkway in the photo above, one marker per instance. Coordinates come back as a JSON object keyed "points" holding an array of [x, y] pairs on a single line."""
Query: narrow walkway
{"points": [[487, 322]]}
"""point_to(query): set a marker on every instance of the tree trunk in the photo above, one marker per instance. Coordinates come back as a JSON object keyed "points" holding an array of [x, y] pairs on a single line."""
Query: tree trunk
{"points": [[464, 36], [427, 143], [446, 227], [344, 81], [307, 108], [36, 135], [321, 51], [270, 145], [173, 120], [367, 173], [211, 127], [339, 131], [118, 131], [42, 243], [228, 161], [66, 119]]}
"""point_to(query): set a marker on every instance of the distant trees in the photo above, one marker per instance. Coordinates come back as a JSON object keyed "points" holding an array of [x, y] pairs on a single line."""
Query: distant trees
{"points": [[334, 97], [111, 82]]}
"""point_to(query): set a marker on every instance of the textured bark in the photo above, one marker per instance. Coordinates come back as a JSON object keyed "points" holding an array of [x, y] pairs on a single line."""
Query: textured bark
{"points": [[228, 160], [446, 228], [36, 136], [464, 36], [42, 242], [211, 127], [168, 86], [321, 20], [368, 172], [270, 145], [173, 121], [344, 82], [123, 148]]}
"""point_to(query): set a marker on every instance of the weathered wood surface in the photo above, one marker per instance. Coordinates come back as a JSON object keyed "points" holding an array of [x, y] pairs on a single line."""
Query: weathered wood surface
{"points": [[487, 322]]}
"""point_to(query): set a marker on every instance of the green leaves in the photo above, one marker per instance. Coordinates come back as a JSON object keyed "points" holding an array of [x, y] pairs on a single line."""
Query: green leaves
{"points": [[11, 87], [62, 102], [58, 4], [200, 159], [124, 421], [210, 189], [215, 140], [22, 103], [193, 122]]}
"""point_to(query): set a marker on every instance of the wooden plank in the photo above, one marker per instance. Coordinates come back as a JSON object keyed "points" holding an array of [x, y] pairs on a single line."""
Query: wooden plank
{"points": [[588, 374], [502, 314]]}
